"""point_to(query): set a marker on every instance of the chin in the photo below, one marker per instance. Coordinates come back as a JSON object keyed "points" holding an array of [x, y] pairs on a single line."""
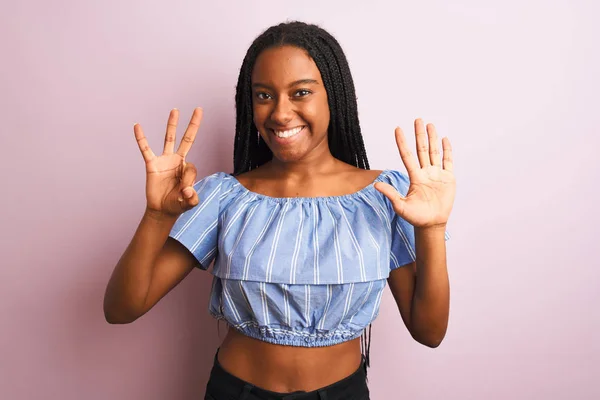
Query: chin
{"points": [[287, 157], [290, 154]]}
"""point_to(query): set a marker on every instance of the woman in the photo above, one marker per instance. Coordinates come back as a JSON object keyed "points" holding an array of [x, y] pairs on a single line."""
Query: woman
{"points": [[304, 236]]}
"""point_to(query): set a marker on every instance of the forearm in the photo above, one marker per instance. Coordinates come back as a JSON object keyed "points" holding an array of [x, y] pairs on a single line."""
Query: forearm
{"points": [[130, 281], [431, 298]]}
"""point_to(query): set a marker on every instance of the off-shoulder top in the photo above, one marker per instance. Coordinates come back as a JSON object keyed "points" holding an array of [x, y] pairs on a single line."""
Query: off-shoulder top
{"points": [[301, 271]]}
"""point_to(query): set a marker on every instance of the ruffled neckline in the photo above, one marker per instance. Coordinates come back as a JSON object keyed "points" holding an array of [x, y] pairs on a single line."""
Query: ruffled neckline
{"points": [[361, 192]]}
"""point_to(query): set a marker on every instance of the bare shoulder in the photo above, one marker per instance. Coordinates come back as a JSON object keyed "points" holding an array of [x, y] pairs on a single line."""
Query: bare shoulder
{"points": [[253, 177], [358, 178]]}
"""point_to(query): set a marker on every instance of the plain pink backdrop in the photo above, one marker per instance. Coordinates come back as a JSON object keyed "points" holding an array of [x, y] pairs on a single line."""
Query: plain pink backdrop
{"points": [[514, 86]]}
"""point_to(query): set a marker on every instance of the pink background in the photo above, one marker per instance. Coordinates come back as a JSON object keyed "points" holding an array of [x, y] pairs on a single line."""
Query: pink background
{"points": [[514, 86]]}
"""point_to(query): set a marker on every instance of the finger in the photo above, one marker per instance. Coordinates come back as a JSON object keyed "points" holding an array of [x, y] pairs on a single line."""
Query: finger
{"points": [[448, 163], [422, 143], [188, 176], [188, 197], [189, 203], [186, 194], [190, 133], [171, 131], [143, 143], [393, 196], [407, 157], [434, 150]]}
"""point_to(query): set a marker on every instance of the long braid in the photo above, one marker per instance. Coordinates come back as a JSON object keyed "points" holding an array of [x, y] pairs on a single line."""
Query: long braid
{"points": [[351, 116], [344, 121], [344, 133]]}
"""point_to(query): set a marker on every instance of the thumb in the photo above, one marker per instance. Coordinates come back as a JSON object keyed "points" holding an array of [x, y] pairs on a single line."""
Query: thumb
{"points": [[393, 196], [188, 175], [189, 199]]}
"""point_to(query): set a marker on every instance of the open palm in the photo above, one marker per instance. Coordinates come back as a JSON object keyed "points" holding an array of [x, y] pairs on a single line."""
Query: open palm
{"points": [[169, 178], [430, 195]]}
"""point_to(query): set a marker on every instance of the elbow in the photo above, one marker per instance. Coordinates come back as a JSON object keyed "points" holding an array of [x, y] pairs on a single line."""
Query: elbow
{"points": [[116, 315], [433, 342], [117, 319], [431, 339]]}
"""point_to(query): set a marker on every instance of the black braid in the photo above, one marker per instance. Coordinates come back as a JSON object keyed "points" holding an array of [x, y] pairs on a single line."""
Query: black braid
{"points": [[344, 134]]}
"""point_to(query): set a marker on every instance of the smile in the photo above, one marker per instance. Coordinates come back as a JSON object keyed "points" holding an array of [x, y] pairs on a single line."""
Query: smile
{"points": [[288, 133]]}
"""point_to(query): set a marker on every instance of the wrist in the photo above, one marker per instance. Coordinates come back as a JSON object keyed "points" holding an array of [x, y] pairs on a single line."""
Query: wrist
{"points": [[159, 216], [432, 229]]}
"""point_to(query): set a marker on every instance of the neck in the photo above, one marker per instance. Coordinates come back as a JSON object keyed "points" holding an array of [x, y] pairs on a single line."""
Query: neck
{"points": [[318, 162]]}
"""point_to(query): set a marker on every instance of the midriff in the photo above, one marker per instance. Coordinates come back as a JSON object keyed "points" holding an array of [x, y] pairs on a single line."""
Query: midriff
{"points": [[287, 369]]}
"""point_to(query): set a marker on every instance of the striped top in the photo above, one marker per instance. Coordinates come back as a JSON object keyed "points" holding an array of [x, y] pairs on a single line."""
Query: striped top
{"points": [[301, 271]]}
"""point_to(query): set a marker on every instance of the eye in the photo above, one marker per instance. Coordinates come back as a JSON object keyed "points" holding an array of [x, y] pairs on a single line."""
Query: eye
{"points": [[263, 96], [302, 93]]}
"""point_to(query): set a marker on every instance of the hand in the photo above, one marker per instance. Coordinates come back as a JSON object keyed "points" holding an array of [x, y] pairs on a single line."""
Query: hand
{"points": [[430, 195], [169, 178]]}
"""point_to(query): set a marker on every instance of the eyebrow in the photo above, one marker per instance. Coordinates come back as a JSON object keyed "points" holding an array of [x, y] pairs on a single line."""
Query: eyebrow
{"points": [[295, 83]]}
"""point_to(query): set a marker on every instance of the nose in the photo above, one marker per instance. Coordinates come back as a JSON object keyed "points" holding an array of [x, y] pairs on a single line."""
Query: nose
{"points": [[283, 112]]}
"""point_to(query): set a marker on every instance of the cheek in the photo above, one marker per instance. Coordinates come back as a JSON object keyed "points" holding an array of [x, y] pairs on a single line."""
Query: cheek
{"points": [[326, 116], [259, 114], [319, 115]]}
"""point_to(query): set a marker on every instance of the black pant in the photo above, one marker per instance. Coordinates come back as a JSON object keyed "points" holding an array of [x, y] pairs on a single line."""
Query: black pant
{"points": [[224, 386]]}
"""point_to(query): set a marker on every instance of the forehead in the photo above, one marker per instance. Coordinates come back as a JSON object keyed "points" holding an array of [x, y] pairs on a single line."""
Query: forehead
{"points": [[279, 66]]}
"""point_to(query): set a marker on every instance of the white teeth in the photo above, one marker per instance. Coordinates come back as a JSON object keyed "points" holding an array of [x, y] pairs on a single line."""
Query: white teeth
{"points": [[288, 133]]}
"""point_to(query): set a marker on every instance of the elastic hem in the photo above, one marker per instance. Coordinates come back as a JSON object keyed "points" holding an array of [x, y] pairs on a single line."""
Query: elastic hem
{"points": [[292, 338]]}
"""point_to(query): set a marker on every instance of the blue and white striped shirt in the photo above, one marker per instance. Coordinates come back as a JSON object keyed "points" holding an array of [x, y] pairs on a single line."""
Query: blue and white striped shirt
{"points": [[296, 271]]}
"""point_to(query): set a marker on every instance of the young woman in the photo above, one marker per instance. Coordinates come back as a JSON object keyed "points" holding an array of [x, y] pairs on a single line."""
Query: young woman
{"points": [[304, 236]]}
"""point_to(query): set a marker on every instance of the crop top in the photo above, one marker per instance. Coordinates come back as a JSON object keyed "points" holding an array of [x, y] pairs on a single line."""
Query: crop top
{"points": [[299, 271]]}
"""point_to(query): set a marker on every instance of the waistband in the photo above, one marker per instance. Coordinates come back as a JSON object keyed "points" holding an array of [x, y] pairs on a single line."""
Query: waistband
{"points": [[224, 384]]}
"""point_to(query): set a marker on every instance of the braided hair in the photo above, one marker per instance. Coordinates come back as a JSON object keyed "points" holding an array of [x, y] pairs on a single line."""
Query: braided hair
{"points": [[344, 134]]}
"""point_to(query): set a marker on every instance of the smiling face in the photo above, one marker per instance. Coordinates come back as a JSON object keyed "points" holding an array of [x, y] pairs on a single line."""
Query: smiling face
{"points": [[290, 104]]}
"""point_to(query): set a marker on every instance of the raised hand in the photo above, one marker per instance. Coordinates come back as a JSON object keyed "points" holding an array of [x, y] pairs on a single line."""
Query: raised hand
{"points": [[169, 179], [430, 195]]}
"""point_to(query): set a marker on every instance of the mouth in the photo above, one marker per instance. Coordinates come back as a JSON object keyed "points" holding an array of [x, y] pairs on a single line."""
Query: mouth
{"points": [[285, 136]]}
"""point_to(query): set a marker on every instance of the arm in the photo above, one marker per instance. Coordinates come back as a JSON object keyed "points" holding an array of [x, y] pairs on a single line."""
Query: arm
{"points": [[153, 264], [422, 290], [150, 267]]}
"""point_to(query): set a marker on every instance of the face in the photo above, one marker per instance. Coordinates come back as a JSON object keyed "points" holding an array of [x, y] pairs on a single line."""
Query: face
{"points": [[290, 104]]}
